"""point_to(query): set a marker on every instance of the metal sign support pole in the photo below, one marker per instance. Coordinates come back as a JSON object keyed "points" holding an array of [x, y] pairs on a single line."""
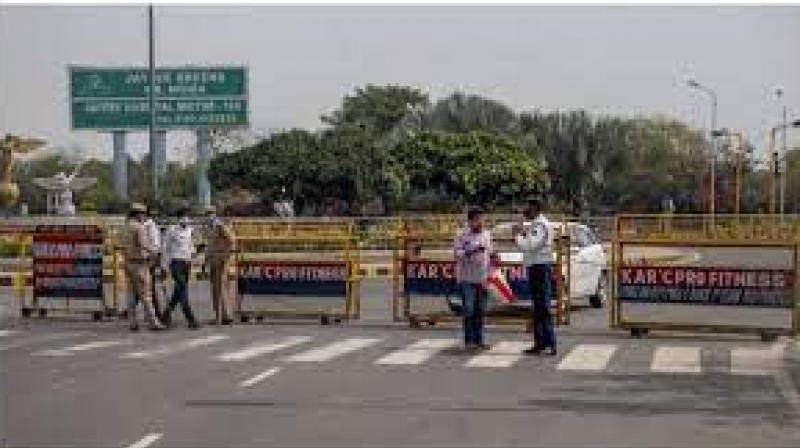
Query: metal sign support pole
{"points": [[203, 160], [151, 102], [120, 165]]}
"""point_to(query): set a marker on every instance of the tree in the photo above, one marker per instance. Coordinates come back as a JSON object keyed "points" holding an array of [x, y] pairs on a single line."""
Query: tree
{"points": [[476, 167], [460, 113], [610, 161], [379, 108], [386, 147]]}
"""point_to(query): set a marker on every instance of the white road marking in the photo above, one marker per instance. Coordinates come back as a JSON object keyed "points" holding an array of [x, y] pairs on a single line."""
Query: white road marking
{"points": [[70, 351], [262, 349], [4, 333], [147, 440], [418, 352], [185, 345], [676, 360], [757, 361], [331, 351], [260, 377], [502, 354], [588, 357], [38, 339]]}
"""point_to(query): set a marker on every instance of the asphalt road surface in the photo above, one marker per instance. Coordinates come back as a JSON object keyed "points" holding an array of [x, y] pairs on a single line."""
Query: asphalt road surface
{"points": [[77, 383]]}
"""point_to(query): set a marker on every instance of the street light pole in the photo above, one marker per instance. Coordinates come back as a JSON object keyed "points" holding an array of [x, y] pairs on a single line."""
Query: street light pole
{"points": [[713, 193], [152, 104], [713, 96], [774, 160], [785, 161], [782, 158]]}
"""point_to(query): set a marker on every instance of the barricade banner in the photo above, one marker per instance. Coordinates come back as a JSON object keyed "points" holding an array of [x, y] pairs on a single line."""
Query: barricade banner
{"points": [[68, 262], [436, 277], [320, 279], [773, 288], [66, 269]]}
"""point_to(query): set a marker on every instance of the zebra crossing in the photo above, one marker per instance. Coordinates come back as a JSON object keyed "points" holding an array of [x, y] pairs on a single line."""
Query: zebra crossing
{"points": [[333, 350], [175, 348], [677, 360], [260, 349], [73, 349], [418, 352], [290, 349], [502, 355], [588, 357]]}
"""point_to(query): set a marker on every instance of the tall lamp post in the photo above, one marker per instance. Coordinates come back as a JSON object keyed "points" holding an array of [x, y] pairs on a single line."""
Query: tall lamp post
{"points": [[713, 96], [739, 156], [782, 158]]}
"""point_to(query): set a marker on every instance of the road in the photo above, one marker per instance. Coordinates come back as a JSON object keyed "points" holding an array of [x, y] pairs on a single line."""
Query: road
{"points": [[77, 383]]}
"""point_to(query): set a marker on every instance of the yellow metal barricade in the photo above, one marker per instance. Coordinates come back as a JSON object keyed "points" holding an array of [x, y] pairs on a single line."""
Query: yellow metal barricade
{"points": [[297, 271], [734, 274]]}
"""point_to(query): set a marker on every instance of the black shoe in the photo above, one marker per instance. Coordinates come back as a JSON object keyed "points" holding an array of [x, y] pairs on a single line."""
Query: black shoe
{"points": [[224, 321], [550, 352], [194, 325], [166, 320], [484, 347], [134, 328], [535, 350], [156, 328]]}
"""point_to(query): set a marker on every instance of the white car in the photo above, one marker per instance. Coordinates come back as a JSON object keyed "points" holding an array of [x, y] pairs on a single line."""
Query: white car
{"points": [[588, 274]]}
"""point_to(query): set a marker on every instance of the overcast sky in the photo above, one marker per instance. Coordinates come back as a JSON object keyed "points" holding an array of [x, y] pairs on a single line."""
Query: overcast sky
{"points": [[303, 59]]}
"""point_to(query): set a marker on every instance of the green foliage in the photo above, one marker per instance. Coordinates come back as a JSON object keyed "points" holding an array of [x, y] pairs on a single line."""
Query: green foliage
{"points": [[376, 107], [461, 113], [387, 149], [387, 145], [475, 167], [612, 161]]}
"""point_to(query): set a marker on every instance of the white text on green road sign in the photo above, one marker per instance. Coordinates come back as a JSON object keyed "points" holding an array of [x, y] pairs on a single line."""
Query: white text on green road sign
{"points": [[118, 98]]}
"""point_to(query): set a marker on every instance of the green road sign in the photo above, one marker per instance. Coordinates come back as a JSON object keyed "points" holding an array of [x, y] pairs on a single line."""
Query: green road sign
{"points": [[186, 97]]}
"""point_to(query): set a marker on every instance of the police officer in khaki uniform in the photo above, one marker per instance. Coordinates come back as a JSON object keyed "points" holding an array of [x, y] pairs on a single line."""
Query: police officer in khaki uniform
{"points": [[221, 242], [139, 254]]}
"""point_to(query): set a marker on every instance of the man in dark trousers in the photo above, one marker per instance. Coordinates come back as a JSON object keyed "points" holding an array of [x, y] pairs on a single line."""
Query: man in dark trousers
{"points": [[178, 252], [534, 237], [472, 247]]}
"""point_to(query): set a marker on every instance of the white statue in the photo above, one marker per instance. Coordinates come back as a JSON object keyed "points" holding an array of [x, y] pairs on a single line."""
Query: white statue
{"points": [[285, 207], [60, 189]]}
